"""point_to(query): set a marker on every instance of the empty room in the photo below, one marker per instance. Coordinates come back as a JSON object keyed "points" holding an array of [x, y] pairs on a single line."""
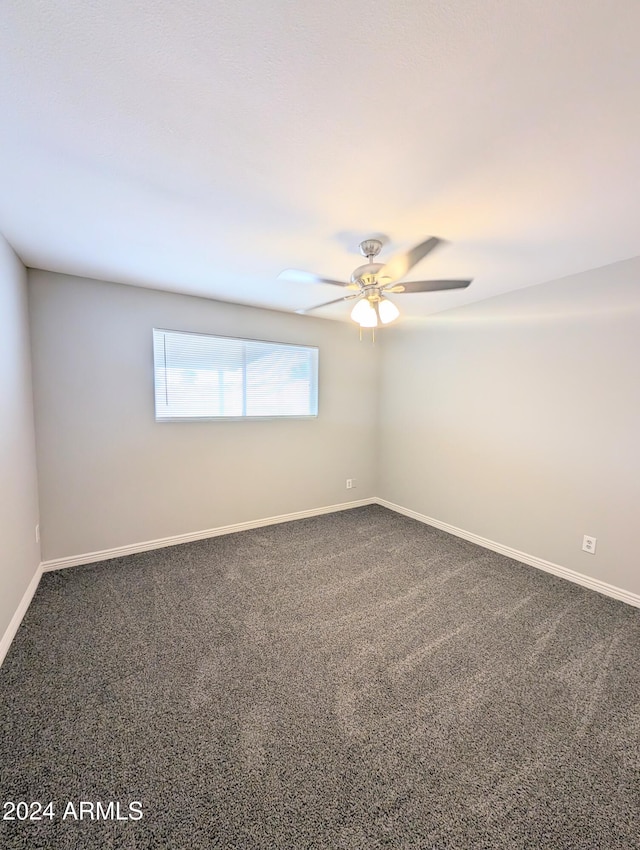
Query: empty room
{"points": [[319, 459]]}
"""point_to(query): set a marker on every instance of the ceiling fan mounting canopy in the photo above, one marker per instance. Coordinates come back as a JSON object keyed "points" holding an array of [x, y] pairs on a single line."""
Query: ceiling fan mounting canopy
{"points": [[370, 248], [372, 282]]}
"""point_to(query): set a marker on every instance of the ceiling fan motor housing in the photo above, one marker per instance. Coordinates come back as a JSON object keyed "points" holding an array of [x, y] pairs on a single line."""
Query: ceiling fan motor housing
{"points": [[366, 274]]}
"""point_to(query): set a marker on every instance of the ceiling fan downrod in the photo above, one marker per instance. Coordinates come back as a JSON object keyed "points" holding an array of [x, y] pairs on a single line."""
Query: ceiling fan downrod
{"points": [[367, 274]]}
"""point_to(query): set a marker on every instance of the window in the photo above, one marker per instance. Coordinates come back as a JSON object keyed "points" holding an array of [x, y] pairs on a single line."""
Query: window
{"points": [[198, 376]]}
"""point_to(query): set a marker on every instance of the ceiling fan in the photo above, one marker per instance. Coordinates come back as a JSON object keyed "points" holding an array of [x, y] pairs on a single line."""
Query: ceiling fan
{"points": [[372, 282]]}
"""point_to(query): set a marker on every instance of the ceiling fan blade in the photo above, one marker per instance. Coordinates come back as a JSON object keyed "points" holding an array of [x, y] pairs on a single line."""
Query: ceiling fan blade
{"points": [[427, 286], [327, 303], [297, 276], [399, 265]]}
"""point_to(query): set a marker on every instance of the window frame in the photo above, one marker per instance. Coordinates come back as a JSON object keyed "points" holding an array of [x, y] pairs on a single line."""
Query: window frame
{"points": [[314, 391]]}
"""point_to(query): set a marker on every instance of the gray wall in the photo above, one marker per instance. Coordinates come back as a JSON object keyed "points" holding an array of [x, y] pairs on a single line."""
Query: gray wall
{"points": [[110, 475], [19, 552], [518, 419]]}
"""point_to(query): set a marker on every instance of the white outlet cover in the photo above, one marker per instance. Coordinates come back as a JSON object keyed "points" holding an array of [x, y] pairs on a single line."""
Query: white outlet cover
{"points": [[589, 544]]}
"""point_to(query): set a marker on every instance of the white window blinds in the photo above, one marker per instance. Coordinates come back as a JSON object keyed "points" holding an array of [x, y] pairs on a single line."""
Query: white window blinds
{"points": [[198, 376]]}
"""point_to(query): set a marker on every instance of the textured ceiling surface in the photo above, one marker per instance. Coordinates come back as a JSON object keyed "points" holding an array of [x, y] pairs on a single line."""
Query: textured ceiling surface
{"points": [[203, 146]]}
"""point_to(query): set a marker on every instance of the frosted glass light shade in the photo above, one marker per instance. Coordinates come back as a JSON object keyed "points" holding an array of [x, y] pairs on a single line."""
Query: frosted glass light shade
{"points": [[369, 318], [388, 311], [364, 314], [360, 309]]}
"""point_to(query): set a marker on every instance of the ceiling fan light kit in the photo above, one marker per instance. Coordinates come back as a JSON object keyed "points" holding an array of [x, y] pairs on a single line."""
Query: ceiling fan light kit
{"points": [[361, 313], [388, 311], [369, 311], [373, 281]]}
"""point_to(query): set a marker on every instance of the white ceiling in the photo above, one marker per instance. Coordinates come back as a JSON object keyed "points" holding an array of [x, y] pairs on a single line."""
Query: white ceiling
{"points": [[204, 146]]}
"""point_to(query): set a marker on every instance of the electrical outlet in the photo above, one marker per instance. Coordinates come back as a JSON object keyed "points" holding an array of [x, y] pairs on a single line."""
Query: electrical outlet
{"points": [[589, 544], [351, 483]]}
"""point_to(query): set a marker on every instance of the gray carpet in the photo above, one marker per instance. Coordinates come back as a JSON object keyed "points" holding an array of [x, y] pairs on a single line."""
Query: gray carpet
{"points": [[354, 681]]}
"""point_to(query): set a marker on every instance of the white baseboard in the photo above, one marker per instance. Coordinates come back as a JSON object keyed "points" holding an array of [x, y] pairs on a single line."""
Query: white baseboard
{"points": [[147, 545], [12, 628], [120, 551], [523, 557]]}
